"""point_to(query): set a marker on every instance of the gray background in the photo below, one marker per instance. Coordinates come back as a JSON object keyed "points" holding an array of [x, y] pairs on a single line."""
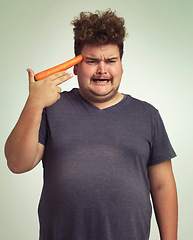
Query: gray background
{"points": [[157, 66]]}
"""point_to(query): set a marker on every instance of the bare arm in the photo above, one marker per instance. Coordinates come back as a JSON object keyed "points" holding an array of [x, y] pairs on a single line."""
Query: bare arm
{"points": [[22, 150], [164, 196]]}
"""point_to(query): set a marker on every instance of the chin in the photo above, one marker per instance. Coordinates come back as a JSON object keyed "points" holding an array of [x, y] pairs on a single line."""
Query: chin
{"points": [[101, 98]]}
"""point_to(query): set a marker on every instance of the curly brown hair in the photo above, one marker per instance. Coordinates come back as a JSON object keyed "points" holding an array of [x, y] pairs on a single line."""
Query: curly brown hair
{"points": [[98, 28]]}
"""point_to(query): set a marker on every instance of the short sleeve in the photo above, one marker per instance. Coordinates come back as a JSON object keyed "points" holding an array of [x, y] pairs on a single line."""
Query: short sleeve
{"points": [[43, 129], [161, 148]]}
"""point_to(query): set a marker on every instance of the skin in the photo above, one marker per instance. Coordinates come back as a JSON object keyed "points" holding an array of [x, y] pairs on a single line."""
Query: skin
{"points": [[99, 75], [164, 198], [23, 151]]}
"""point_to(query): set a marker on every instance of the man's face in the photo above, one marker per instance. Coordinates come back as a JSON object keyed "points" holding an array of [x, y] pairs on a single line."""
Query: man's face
{"points": [[100, 72]]}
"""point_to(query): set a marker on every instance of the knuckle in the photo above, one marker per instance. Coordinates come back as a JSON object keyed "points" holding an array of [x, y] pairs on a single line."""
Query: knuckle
{"points": [[59, 89]]}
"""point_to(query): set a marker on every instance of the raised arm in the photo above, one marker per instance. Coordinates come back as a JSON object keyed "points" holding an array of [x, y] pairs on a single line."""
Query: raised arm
{"points": [[22, 149]]}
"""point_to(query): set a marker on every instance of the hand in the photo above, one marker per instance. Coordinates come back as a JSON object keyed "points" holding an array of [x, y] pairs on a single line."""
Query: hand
{"points": [[46, 92]]}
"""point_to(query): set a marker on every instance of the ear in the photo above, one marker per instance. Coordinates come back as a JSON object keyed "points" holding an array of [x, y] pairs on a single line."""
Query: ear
{"points": [[75, 70]]}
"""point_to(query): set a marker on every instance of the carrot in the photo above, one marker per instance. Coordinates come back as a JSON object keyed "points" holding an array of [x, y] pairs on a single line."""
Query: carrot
{"points": [[58, 68]]}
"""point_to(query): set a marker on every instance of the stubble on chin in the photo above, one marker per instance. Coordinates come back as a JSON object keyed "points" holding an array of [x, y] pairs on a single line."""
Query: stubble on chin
{"points": [[93, 96]]}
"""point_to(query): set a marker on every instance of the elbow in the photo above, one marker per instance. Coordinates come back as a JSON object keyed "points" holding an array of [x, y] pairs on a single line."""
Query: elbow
{"points": [[15, 169], [18, 162], [9, 159], [15, 166]]}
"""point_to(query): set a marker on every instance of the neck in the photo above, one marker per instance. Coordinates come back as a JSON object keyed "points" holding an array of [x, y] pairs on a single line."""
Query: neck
{"points": [[114, 101]]}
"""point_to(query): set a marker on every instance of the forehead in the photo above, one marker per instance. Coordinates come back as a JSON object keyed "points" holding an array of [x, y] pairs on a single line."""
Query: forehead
{"points": [[107, 51]]}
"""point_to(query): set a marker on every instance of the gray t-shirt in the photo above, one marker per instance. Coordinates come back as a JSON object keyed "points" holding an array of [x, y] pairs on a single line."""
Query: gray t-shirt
{"points": [[95, 163]]}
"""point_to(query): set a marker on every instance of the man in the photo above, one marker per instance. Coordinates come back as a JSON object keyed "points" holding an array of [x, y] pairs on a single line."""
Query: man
{"points": [[104, 153]]}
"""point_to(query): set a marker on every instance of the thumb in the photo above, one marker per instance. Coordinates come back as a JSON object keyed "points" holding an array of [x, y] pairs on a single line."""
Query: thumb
{"points": [[31, 75]]}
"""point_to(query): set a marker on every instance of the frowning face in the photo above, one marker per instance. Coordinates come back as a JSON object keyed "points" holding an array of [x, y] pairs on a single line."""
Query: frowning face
{"points": [[100, 72]]}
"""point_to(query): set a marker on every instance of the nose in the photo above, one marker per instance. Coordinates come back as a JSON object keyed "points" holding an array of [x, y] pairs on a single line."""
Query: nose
{"points": [[101, 69]]}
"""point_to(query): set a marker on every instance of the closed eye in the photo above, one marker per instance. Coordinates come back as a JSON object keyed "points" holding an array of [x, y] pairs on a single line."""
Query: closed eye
{"points": [[96, 61], [111, 60], [91, 61]]}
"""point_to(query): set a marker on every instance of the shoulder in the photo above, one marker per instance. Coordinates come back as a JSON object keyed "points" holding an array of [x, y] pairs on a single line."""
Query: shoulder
{"points": [[69, 94], [141, 106], [67, 97]]}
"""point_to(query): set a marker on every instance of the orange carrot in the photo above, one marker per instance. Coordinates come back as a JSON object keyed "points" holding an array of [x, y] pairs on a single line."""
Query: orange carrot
{"points": [[58, 68]]}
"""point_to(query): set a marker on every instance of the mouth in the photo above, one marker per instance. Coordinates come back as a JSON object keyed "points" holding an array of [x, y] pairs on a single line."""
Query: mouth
{"points": [[101, 80]]}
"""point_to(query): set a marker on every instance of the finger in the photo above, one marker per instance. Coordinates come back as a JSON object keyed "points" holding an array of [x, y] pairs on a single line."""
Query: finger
{"points": [[63, 78], [58, 75], [59, 89], [31, 75], [58, 96], [55, 76]]}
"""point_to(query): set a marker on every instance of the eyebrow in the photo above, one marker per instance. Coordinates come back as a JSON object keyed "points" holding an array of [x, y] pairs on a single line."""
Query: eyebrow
{"points": [[91, 58]]}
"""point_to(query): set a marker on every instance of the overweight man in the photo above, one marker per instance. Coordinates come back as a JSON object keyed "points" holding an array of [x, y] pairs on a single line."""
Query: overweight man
{"points": [[104, 153]]}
